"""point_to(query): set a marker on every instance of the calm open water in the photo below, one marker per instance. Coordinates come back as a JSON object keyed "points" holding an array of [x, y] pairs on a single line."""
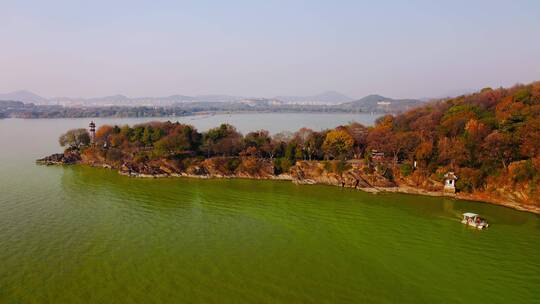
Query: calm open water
{"points": [[86, 235]]}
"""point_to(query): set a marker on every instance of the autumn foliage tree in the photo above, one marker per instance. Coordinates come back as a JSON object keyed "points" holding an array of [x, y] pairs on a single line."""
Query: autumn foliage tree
{"points": [[75, 139], [224, 140], [338, 144]]}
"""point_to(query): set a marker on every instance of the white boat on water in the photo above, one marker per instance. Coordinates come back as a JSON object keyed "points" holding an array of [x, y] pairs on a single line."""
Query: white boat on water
{"points": [[472, 219]]}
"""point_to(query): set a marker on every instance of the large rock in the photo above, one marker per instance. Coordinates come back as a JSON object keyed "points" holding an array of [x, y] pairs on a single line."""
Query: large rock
{"points": [[352, 174], [258, 168], [67, 158]]}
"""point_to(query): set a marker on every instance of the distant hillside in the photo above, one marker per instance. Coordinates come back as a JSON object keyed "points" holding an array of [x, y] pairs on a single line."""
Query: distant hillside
{"points": [[24, 96], [378, 103], [329, 97]]}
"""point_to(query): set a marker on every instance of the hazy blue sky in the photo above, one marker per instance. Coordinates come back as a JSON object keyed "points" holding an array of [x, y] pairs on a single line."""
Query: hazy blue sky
{"points": [[266, 48]]}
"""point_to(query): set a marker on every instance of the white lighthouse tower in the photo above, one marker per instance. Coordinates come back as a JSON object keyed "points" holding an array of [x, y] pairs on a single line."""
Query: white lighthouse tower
{"points": [[92, 128]]}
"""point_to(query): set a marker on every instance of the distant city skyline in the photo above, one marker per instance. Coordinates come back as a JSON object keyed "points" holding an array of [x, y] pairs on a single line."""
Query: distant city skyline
{"points": [[399, 49]]}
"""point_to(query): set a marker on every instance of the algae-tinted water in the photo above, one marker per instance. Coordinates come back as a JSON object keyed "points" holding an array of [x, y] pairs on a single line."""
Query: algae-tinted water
{"points": [[85, 235]]}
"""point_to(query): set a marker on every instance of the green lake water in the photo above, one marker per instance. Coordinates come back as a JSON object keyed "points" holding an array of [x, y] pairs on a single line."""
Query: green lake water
{"points": [[87, 235]]}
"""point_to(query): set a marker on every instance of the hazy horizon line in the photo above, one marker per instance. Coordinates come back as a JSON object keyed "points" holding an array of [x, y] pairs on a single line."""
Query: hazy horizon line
{"points": [[456, 92], [449, 94]]}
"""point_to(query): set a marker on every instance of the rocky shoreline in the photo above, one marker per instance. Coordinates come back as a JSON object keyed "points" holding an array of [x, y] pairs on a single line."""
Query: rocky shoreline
{"points": [[356, 174]]}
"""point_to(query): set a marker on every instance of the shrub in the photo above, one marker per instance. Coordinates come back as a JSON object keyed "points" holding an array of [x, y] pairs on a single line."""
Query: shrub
{"points": [[342, 166], [251, 165], [368, 170], [522, 95], [232, 164], [114, 155], [469, 179], [525, 171], [385, 172], [388, 174], [190, 161], [464, 185], [406, 169], [140, 157], [282, 165]]}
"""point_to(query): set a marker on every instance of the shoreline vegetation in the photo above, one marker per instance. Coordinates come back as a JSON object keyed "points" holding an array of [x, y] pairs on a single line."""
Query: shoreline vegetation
{"points": [[16, 109], [489, 139]]}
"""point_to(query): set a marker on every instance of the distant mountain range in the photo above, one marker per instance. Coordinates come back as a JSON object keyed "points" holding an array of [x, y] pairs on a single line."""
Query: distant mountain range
{"points": [[326, 98], [331, 100], [116, 100]]}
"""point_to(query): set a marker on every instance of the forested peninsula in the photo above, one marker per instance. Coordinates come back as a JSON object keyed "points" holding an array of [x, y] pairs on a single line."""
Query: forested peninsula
{"points": [[489, 141]]}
